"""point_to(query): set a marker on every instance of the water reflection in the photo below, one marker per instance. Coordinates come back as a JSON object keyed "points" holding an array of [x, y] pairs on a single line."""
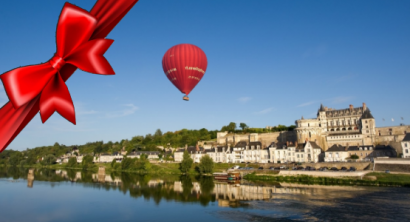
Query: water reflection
{"points": [[185, 188], [30, 178], [244, 201]]}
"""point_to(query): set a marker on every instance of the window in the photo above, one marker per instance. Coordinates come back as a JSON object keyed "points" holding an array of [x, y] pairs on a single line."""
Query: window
{"points": [[348, 121], [361, 154], [365, 121], [405, 144], [407, 151], [367, 131], [298, 155], [367, 127]]}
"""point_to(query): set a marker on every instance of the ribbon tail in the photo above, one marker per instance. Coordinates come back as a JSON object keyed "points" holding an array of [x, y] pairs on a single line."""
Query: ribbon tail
{"points": [[89, 57], [56, 97]]}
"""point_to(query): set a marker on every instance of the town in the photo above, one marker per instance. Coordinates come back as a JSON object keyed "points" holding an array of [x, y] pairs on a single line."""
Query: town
{"points": [[344, 135]]}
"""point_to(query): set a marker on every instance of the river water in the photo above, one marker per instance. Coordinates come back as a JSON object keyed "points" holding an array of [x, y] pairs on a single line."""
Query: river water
{"points": [[59, 195]]}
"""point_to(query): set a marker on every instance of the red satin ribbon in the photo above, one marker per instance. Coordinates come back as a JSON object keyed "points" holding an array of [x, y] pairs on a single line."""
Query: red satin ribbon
{"points": [[104, 16], [74, 30]]}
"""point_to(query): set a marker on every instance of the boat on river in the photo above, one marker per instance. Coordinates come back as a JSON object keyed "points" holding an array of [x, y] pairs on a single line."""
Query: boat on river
{"points": [[227, 176]]}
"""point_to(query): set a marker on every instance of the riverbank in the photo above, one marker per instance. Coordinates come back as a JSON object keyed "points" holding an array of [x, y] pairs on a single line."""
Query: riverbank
{"points": [[369, 179], [156, 168]]}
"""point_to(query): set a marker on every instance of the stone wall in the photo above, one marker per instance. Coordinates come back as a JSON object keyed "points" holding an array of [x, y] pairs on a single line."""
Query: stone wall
{"points": [[357, 165], [392, 167], [264, 138]]}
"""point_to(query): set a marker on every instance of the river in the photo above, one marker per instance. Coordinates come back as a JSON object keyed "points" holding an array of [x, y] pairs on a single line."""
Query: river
{"points": [[60, 195]]}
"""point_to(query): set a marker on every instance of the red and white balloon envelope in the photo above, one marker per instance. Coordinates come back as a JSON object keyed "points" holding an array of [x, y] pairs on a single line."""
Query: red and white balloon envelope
{"points": [[184, 65]]}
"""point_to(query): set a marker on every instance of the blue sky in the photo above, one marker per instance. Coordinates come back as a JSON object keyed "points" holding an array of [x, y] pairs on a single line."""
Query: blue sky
{"points": [[269, 63]]}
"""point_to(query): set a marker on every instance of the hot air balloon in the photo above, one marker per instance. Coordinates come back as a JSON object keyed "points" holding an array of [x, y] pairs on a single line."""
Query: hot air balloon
{"points": [[184, 65]]}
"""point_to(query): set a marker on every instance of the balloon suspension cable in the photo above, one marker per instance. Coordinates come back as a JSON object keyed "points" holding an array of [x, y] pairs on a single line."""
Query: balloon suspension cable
{"points": [[186, 98]]}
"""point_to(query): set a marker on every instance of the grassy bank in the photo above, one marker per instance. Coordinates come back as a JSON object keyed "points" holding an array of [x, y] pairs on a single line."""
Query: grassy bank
{"points": [[371, 179]]}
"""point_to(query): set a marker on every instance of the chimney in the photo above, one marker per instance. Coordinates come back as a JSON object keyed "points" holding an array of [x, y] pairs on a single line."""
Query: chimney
{"points": [[347, 146], [296, 144], [306, 140], [364, 106], [351, 107], [287, 143]]}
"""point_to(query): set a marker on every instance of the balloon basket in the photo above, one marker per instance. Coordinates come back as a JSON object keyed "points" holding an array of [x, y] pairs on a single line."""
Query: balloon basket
{"points": [[186, 98]]}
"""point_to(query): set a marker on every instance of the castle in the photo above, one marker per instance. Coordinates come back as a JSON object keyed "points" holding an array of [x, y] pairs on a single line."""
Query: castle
{"points": [[354, 126]]}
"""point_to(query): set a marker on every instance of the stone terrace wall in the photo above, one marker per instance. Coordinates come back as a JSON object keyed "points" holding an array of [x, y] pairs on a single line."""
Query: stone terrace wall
{"points": [[392, 167], [357, 165]]}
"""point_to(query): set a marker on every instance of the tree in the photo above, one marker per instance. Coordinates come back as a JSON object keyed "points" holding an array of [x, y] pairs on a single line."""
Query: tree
{"points": [[158, 133], [206, 164], [98, 149], [113, 162], [354, 157], [87, 161], [186, 163], [15, 159], [49, 160], [231, 126], [127, 163], [243, 126], [147, 165], [72, 162]]}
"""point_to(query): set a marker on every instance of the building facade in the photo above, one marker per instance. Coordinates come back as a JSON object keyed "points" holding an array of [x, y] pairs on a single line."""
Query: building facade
{"points": [[308, 152], [405, 144], [339, 153]]}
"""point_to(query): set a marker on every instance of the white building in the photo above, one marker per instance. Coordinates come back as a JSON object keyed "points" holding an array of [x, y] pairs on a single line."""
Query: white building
{"points": [[339, 153], [149, 154], [294, 152], [336, 153], [405, 145]]}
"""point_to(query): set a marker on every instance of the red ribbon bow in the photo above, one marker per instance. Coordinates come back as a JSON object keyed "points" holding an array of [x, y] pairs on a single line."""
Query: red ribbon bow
{"points": [[74, 29]]}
